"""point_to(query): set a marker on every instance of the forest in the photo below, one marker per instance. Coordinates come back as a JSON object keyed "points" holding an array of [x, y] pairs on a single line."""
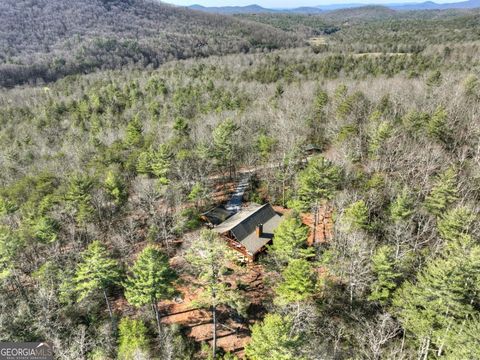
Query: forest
{"points": [[368, 122]]}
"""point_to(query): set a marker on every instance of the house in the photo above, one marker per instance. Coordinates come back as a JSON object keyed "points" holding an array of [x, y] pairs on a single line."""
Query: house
{"points": [[250, 229]]}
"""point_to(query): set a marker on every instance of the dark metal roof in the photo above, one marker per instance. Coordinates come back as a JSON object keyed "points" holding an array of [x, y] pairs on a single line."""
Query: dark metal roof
{"points": [[243, 224], [217, 215]]}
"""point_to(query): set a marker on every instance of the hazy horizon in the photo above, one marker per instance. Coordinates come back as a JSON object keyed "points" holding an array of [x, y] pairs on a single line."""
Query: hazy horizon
{"points": [[289, 4]]}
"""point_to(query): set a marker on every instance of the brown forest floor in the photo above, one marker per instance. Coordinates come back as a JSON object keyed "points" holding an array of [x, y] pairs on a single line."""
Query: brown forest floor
{"points": [[232, 332]]}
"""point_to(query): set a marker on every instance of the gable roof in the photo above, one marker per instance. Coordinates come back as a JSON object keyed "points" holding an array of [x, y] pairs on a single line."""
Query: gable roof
{"points": [[243, 224]]}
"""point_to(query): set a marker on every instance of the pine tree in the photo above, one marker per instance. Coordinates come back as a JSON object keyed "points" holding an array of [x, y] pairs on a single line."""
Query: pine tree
{"points": [[434, 79], [415, 121], [132, 340], [443, 193], [464, 340], [115, 187], [437, 125], [402, 207], [160, 163], [444, 296], [356, 216], [317, 183], [10, 246], [43, 229], [383, 266], [134, 136], [299, 283], [290, 240], [198, 194], [455, 223], [472, 87], [274, 338], [209, 257], [225, 144], [151, 280], [79, 198], [265, 146], [97, 271], [143, 163], [379, 135]]}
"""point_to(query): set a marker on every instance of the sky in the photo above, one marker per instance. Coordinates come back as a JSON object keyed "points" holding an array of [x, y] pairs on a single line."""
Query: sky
{"points": [[287, 3]]}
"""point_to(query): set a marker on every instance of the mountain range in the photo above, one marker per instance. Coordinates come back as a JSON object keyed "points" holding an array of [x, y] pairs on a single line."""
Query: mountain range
{"points": [[50, 39], [257, 9]]}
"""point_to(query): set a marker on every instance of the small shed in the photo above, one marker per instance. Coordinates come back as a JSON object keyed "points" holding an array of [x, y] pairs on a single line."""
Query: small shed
{"points": [[216, 216], [311, 149], [250, 229]]}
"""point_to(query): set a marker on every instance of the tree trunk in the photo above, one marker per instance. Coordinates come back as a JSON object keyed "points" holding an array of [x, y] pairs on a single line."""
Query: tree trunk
{"points": [[440, 349], [157, 316], [108, 304], [214, 332], [315, 223], [427, 348]]}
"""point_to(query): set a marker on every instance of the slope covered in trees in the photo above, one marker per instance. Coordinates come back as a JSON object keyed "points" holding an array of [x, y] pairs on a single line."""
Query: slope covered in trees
{"points": [[49, 39], [103, 177]]}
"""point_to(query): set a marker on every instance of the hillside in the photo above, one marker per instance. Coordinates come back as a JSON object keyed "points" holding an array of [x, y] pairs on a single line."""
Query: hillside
{"points": [[45, 40], [254, 9], [239, 202]]}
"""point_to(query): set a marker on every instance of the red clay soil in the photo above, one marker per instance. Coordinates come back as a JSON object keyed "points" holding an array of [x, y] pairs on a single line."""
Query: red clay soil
{"points": [[232, 334], [324, 230]]}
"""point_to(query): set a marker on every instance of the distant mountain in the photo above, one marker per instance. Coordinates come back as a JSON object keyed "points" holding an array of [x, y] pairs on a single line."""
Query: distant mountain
{"points": [[430, 5], [333, 7], [45, 40], [254, 9], [257, 9], [359, 14]]}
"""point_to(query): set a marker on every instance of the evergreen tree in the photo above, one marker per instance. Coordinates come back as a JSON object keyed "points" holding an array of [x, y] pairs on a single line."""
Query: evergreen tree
{"points": [[319, 103], [290, 240], [443, 193], [379, 135], [274, 338], [42, 229], [455, 223], [299, 283], [402, 207], [79, 198], [132, 340], [115, 187], [437, 125], [464, 340], [383, 266], [209, 257], [143, 163], [181, 128], [472, 87], [356, 216], [224, 141], [444, 296], [160, 163], [151, 280], [265, 146], [316, 123], [198, 194], [10, 246], [415, 121], [134, 135], [317, 183], [97, 271], [434, 79]]}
